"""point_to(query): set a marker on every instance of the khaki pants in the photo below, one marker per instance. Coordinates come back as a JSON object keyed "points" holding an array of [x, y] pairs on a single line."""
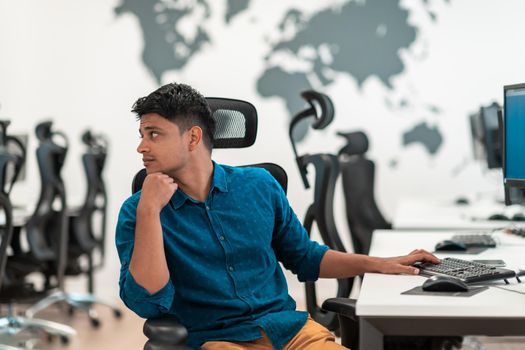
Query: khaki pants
{"points": [[312, 336]]}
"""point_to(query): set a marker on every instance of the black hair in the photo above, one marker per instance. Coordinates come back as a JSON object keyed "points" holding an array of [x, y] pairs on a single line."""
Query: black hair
{"points": [[182, 105]]}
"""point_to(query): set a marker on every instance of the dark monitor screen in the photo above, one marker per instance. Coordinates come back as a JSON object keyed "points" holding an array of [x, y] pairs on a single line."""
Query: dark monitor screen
{"points": [[485, 136], [514, 142], [476, 131], [492, 143]]}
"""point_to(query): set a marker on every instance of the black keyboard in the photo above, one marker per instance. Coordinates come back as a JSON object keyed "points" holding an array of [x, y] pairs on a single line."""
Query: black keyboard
{"points": [[467, 271], [475, 241]]}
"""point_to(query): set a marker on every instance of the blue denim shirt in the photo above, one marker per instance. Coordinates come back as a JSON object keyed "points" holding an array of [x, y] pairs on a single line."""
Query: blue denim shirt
{"points": [[225, 279]]}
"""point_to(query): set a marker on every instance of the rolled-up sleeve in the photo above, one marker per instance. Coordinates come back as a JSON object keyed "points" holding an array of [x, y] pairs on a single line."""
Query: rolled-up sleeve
{"points": [[291, 243], [132, 294]]}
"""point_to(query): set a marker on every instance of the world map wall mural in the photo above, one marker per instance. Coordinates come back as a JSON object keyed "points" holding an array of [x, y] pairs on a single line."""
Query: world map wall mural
{"points": [[360, 39]]}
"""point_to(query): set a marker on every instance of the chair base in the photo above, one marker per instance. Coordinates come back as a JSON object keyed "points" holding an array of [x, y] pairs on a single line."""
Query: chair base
{"points": [[13, 325], [83, 302]]}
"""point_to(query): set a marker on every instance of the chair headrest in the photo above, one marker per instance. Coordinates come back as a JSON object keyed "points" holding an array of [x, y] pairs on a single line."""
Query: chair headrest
{"points": [[43, 130], [357, 143], [95, 142], [49, 137], [236, 122], [325, 114]]}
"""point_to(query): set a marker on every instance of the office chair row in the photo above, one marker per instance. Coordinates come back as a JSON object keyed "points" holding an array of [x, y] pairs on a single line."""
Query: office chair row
{"points": [[57, 237], [363, 216]]}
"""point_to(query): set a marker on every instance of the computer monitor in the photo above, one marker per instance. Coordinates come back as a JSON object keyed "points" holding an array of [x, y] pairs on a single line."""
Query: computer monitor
{"points": [[476, 131], [485, 136], [492, 142], [514, 144]]}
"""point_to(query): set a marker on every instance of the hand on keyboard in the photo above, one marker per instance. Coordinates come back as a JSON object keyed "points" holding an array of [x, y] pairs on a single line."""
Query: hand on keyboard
{"points": [[403, 264]]}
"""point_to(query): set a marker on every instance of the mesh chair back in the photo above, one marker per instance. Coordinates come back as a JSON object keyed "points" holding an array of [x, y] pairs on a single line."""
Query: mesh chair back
{"points": [[235, 122]]}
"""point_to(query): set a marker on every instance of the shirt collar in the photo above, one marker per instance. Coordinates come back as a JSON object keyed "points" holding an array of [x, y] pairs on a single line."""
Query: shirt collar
{"points": [[218, 181], [219, 178], [178, 199]]}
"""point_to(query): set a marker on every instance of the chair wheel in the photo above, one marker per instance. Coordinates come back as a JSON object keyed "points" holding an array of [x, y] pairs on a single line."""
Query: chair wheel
{"points": [[117, 313], [95, 322], [64, 339]]}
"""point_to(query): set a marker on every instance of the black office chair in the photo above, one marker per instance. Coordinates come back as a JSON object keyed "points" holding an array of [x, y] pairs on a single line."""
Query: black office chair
{"points": [[358, 175], [321, 210], [236, 127], [94, 161], [82, 239], [6, 227], [87, 226], [15, 149], [9, 169], [21, 264], [7, 160]]}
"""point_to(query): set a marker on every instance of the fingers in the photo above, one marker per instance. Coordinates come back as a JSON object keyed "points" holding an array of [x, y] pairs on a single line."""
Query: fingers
{"points": [[411, 270], [406, 269], [403, 264], [157, 190], [430, 257], [159, 177], [423, 255]]}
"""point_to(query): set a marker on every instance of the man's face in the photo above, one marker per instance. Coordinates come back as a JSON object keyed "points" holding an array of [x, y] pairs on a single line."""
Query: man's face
{"points": [[163, 147]]}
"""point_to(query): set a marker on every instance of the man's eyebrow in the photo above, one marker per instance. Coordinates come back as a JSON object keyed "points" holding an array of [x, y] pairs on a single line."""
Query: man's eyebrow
{"points": [[151, 127]]}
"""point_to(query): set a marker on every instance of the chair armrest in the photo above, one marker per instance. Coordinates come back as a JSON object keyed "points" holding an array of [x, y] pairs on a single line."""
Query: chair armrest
{"points": [[348, 320], [341, 306], [165, 334]]}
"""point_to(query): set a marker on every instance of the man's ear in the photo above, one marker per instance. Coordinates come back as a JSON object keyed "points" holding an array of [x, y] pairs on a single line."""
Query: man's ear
{"points": [[195, 134]]}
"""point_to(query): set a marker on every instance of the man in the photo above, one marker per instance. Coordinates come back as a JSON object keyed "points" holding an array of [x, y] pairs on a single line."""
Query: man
{"points": [[202, 241]]}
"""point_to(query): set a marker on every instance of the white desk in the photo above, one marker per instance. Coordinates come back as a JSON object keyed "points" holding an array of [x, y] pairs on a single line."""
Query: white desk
{"points": [[382, 309], [418, 214]]}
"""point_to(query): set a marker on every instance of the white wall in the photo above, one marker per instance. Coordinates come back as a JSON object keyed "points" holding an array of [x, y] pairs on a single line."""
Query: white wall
{"points": [[78, 64]]}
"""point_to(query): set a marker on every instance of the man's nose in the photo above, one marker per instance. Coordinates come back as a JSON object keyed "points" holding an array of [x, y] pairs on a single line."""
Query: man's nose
{"points": [[142, 147]]}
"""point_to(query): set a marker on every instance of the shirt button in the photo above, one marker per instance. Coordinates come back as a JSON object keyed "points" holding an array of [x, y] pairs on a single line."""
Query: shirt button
{"points": [[207, 208], [221, 238], [230, 268]]}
